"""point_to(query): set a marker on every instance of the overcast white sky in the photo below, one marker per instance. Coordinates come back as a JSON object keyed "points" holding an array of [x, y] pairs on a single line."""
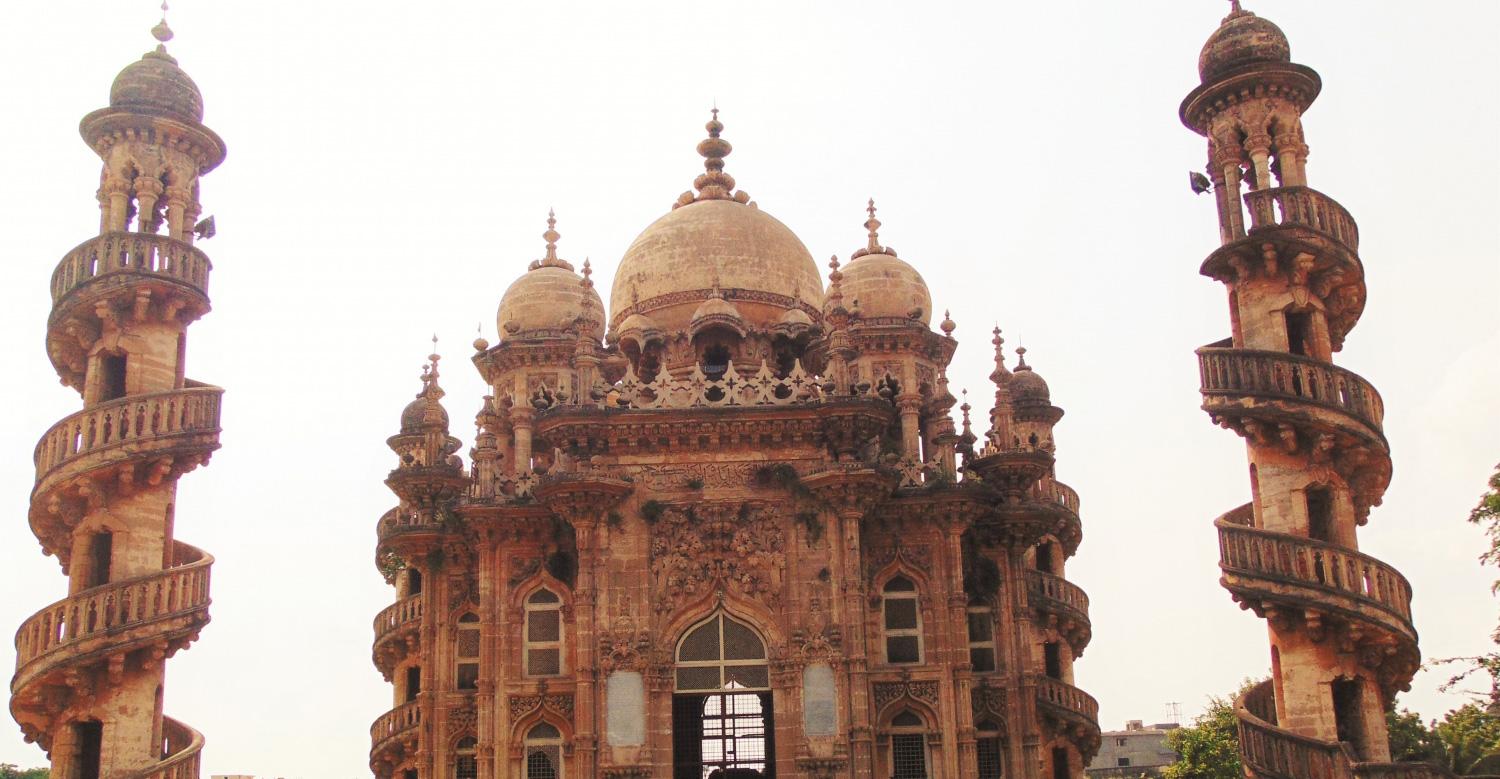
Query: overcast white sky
{"points": [[391, 164]]}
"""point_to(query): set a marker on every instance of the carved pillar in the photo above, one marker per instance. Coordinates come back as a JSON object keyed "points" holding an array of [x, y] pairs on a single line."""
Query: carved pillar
{"points": [[910, 405], [147, 190], [521, 417]]}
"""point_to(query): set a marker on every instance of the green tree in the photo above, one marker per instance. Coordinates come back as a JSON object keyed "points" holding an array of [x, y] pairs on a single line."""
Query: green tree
{"points": [[1411, 740], [12, 771], [1471, 738], [1487, 515], [1210, 747]]}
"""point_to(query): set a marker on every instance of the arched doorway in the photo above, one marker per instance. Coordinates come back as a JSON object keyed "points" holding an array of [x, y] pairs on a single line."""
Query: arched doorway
{"points": [[722, 723]]}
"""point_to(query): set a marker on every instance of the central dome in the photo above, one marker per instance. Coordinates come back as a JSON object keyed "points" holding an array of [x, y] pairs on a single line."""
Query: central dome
{"points": [[715, 242], [677, 263]]}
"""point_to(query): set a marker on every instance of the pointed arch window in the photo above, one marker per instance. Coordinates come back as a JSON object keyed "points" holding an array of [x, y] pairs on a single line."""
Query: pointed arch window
{"points": [[902, 621], [543, 637], [722, 720], [544, 752]]}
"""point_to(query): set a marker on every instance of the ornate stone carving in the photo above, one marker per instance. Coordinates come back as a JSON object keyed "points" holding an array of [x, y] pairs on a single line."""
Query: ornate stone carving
{"points": [[988, 701], [916, 556], [624, 647], [917, 690], [463, 719], [558, 703], [724, 547]]}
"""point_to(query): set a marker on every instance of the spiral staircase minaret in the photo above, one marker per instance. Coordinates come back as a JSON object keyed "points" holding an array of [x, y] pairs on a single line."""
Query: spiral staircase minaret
{"points": [[1340, 625], [90, 668]]}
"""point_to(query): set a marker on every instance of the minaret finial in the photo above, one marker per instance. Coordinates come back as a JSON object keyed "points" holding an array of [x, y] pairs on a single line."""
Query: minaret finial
{"points": [[161, 32], [1000, 370], [1021, 359]]}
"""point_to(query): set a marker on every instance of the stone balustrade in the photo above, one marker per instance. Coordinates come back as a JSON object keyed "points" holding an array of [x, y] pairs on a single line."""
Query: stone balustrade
{"points": [[104, 611], [1060, 695], [1274, 753], [1302, 206], [403, 612], [1046, 588], [129, 427], [1279, 557], [1053, 491], [126, 252], [1282, 376], [403, 718], [184, 748]]}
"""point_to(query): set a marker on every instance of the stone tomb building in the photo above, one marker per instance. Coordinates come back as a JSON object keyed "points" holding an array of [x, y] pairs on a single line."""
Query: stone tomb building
{"points": [[729, 528]]}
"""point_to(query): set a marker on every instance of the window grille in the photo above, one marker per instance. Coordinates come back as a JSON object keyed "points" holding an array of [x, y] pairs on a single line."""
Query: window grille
{"points": [[466, 671], [991, 758], [908, 756]]}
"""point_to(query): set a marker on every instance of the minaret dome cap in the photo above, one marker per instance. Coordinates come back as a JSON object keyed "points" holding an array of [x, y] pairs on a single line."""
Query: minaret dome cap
{"points": [[1242, 39], [155, 85]]}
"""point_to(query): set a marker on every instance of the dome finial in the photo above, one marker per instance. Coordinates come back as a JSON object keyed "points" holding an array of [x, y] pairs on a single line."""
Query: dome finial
{"points": [[714, 183], [551, 260], [872, 246], [1021, 359], [430, 388], [161, 32]]}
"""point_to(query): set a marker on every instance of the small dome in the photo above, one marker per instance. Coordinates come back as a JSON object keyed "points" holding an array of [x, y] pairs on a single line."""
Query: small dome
{"points": [[795, 317], [550, 296], [1028, 385], [638, 328], [1242, 39], [422, 412], [155, 85], [880, 285], [716, 311]]}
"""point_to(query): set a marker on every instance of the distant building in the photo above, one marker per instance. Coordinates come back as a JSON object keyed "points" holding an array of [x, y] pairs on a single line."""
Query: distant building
{"points": [[1133, 752]]}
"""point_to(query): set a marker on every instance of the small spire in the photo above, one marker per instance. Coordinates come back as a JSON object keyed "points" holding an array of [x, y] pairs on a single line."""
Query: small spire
{"points": [[968, 433], [948, 325], [1000, 370], [588, 271], [161, 32], [835, 296], [1021, 359], [430, 387]]}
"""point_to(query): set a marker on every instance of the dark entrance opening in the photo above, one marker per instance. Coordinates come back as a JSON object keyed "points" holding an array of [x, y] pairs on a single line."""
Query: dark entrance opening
{"points": [[90, 738], [1319, 514], [1060, 763], [1298, 331], [722, 721], [1348, 714], [112, 377], [101, 551]]}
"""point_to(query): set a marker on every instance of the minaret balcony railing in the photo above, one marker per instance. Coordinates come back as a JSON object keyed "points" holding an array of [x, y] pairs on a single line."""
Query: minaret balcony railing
{"points": [[1276, 753], [1281, 376], [403, 719], [407, 611], [163, 606], [184, 748], [1266, 565], [1053, 491], [147, 255], [1058, 595], [1070, 702], [137, 426], [1303, 207]]}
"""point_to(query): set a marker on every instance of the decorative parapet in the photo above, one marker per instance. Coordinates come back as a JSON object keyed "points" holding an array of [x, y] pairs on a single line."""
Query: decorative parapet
{"points": [[696, 389]]}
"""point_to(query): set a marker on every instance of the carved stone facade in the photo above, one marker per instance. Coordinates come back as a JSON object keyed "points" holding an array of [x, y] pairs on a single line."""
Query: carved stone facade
{"points": [[733, 454], [90, 668]]}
